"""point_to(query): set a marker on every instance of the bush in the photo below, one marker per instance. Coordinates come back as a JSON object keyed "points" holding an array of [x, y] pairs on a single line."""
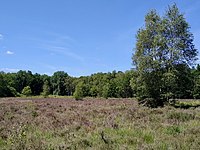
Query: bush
{"points": [[78, 94], [27, 91], [46, 89]]}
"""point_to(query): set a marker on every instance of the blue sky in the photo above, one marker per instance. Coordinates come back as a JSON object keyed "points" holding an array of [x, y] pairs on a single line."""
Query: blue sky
{"points": [[79, 37]]}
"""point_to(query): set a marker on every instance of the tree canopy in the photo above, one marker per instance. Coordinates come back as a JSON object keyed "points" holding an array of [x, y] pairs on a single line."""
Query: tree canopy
{"points": [[164, 51]]}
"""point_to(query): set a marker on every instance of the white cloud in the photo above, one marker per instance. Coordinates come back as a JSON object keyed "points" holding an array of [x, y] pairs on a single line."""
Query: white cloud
{"points": [[9, 70], [9, 53]]}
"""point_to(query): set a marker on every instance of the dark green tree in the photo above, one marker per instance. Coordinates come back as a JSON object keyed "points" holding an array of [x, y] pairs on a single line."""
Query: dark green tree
{"points": [[106, 90], [21, 80], [6, 90], [58, 83], [196, 81], [69, 86], [196, 91], [3, 88], [36, 84], [122, 82]]}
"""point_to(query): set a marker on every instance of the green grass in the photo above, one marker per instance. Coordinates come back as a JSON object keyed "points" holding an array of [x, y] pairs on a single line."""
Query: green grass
{"points": [[49, 96], [98, 124], [187, 104]]}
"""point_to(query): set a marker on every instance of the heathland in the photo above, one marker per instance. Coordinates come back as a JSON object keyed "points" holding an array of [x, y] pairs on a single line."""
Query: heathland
{"points": [[64, 123]]}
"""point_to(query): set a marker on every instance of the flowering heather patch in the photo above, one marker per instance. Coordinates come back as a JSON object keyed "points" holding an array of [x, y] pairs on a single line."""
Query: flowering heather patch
{"points": [[57, 123]]}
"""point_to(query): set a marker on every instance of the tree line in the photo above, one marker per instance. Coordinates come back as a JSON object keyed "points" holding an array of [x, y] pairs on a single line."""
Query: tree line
{"points": [[112, 84]]}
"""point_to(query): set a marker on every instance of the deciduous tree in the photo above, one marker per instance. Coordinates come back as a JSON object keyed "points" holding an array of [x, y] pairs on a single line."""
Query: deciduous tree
{"points": [[163, 45]]}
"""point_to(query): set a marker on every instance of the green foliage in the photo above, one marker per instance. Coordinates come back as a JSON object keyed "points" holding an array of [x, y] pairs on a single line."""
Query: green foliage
{"points": [[62, 84], [23, 79], [36, 84], [27, 91], [196, 91], [5, 89], [78, 94], [94, 91], [173, 130], [2, 86], [13, 92], [46, 89], [187, 104], [182, 82], [164, 52], [105, 92]]}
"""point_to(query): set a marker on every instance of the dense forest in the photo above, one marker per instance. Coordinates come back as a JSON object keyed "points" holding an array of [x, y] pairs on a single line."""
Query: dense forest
{"points": [[113, 84], [164, 68]]}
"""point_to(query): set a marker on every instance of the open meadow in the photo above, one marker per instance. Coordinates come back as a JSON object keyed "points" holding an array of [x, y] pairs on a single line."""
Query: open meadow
{"points": [[64, 123]]}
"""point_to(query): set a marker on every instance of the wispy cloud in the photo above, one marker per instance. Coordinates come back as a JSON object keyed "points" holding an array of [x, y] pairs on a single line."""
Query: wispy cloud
{"points": [[58, 38], [9, 52], [1, 36], [9, 69], [63, 51], [53, 39], [58, 44]]}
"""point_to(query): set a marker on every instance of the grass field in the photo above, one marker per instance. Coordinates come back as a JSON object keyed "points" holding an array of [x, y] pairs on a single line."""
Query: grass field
{"points": [[63, 123]]}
